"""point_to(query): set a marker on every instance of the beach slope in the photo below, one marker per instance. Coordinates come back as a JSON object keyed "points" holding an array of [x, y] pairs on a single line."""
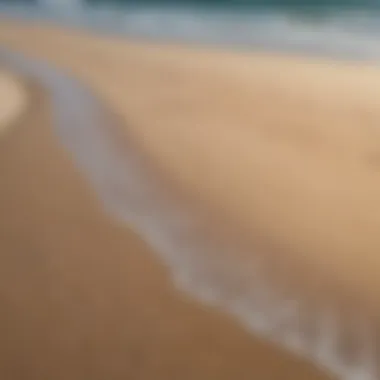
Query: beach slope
{"points": [[283, 149], [83, 297]]}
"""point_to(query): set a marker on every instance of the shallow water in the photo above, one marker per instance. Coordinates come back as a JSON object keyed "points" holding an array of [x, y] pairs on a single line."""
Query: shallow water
{"points": [[199, 254], [335, 30]]}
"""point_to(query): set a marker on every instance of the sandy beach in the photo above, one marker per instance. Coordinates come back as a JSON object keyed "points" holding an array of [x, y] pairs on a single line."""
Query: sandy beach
{"points": [[85, 298], [13, 100], [283, 149], [306, 130]]}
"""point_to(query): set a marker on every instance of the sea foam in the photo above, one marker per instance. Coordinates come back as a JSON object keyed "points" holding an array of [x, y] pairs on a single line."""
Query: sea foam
{"points": [[201, 261]]}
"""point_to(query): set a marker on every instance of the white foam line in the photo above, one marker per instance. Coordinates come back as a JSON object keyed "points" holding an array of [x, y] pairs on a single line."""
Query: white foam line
{"points": [[353, 35], [202, 266], [59, 4]]}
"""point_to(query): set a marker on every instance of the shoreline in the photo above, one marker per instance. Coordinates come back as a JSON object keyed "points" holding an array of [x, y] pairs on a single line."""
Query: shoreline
{"points": [[167, 96], [85, 298], [346, 46]]}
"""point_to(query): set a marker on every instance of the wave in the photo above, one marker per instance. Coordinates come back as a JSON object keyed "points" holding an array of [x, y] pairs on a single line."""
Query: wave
{"points": [[346, 34]]}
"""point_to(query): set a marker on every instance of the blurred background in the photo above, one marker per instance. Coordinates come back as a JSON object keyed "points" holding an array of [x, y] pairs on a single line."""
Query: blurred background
{"points": [[342, 27]]}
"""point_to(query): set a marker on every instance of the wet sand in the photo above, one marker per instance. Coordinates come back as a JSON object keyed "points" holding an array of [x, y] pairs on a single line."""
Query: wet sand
{"points": [[83, 297], [284, 149], [304, 129]]}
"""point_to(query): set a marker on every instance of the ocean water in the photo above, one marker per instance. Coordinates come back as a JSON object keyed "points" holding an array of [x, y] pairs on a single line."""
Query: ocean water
{"points": [[199, 260], [343, 28]]}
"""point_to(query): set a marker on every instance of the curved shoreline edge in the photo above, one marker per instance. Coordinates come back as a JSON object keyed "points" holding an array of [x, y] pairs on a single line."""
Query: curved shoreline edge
{"points": [[143, 203]]}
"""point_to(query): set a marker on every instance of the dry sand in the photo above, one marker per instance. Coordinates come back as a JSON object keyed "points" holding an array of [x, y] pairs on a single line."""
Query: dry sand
{"points": [[13, 100], [286, 148]]}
